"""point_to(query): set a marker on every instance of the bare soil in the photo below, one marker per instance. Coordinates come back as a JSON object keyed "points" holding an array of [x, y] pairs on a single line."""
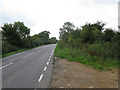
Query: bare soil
{"points": [[67, 74]]}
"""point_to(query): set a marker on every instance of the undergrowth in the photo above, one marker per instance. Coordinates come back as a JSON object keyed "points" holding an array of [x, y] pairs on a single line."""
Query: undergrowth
{"points": [[95, 62]]}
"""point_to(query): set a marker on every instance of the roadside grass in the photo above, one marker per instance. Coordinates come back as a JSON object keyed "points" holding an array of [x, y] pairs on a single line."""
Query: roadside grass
{"points": [[95, 62], [17, 51], [14, 52]]}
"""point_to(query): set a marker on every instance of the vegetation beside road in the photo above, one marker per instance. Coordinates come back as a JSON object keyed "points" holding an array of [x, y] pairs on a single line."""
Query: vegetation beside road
{"points": [[14, 52], [92, 45], [16, 38], [17, 51]]}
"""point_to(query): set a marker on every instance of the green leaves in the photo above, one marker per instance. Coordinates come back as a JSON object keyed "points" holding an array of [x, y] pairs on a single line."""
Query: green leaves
{"points": [[90, 45], [15, 33], [16, 36], [66, 29]]}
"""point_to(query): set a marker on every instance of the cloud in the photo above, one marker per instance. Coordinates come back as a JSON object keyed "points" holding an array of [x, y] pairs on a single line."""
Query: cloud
{"points": [[50, 15]]}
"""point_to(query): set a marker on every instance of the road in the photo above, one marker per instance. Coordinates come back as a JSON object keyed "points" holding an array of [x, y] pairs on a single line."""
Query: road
{"points": [[28, 69]]}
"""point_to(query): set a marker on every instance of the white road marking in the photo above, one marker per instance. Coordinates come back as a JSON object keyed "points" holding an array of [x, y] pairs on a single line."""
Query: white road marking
{"points": [[41, 76], [50, 56], [6, 65], [49, 59], [27, 55], [47, 63], [45, 68], [30, 54], [52, 51]]}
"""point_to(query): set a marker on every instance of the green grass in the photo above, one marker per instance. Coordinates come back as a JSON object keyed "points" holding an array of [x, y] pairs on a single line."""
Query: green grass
{"points": [[93, 61], [14, 52], [17, 51]]}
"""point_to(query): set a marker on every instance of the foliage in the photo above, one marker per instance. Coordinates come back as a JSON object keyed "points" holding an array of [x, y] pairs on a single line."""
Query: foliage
{"points": [[91, 45], [17, 36], [13, 52], [53, 40], [83, 57], [15, 33], [7, 47]]}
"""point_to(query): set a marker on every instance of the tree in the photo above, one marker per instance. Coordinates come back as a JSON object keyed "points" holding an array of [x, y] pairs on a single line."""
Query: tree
{"points": [[21, 29], [44, 36], [66, 29], [53, 40], [108, 35], [15, 33], [91, 32]]}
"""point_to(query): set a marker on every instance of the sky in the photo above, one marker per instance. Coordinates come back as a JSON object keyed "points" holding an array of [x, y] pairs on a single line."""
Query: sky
{"points": [[50, 15]]}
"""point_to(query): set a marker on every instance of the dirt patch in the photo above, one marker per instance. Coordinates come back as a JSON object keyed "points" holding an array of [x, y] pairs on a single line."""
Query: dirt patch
{"points": [[68, 74]]}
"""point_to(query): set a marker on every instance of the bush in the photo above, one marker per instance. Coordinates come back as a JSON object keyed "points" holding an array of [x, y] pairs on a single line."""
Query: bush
{"points": [[7, 47], [84, 57]]}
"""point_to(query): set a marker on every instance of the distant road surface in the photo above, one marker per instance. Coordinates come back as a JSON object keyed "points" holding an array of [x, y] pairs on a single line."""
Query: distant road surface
{"points": [[28, 69]]}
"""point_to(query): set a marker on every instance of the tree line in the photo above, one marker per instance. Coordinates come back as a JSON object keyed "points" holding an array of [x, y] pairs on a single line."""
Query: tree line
{"points": [[17, 36], [91, 39]]}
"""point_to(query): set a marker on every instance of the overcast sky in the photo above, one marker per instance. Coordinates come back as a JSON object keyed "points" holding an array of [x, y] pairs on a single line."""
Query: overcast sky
{"points": [[50, 15]]}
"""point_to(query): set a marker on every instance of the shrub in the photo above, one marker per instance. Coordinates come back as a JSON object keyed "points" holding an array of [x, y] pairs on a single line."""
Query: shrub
{"points": [[7, 47]]}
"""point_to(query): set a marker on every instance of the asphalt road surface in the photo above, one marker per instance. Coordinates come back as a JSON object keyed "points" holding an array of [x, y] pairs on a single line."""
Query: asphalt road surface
{"points": [[28, 69]]}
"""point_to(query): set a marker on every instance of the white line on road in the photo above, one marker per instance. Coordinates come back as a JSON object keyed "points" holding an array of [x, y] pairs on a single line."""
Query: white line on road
{"points": [[49, 59], [27, 55], [6, 65], [45, 68], [40, 78], [50, 56], [47, 63], [53, 51]]}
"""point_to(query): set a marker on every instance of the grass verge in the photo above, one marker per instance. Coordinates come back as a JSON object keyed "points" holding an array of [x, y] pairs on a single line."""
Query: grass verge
{"points": [[93, 61], [17, 51], [14, 52]]}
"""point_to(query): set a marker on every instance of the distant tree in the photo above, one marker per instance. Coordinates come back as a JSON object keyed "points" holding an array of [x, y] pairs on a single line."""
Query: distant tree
{"points": [[99, 25], [108, 35], [53, 40], [44, 36], [15, 33], [66, 30], [21, 29], [91, 32]]}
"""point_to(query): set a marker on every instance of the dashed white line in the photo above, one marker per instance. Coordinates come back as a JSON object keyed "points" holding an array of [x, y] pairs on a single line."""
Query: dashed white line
{"points": [[6, 65], [47, 63], [51, 54], [41, 76], [27, 55], [49, 59], [53, 51], [45, 68]]}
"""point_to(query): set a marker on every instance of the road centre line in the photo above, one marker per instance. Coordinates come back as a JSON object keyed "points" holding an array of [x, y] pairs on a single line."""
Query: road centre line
{"points": [[41, 76], [47, 63], [51, 54], [45, 68], [27, 55], [6, 65], [49, 59], [53, 51]]}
